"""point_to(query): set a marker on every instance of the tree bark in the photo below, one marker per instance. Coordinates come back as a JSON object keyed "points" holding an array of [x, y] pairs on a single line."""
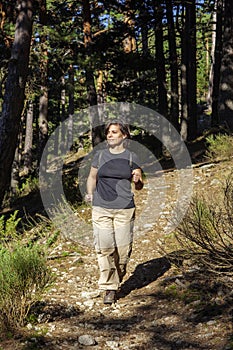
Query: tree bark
{"points": [[71, 107], [144, 17], [188, 74], [217, 63], [129, 43], [14, 92], [161, 75], [212, 58], [27, 157], [160, 61], [91, 89], [100, 87], [43, 108], [96, 130], [63, 116], [183, 79], [226, 73], [191, 69], [174, 105]]}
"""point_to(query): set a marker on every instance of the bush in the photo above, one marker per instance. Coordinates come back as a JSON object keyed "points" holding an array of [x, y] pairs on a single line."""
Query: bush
{"points": [[24, 276], [205, 235], [8, 228], [219, 147]]}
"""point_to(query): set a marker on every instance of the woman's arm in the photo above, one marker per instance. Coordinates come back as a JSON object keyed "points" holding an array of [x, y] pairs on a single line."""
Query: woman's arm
{"points": [[137, 178], [91, 184]]}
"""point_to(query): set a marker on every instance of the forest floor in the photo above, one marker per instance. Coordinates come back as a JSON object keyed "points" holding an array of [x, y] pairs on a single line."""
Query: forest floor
{"points": [[159, 307]]}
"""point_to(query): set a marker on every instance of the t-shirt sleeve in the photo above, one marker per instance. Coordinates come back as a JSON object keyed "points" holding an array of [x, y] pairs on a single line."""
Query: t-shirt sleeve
{"points": [[136, 163], [95, 160]]}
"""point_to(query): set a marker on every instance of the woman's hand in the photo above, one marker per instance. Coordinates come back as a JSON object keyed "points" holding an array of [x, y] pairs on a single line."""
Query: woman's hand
{"points": [[88, 198], [137, 179]]}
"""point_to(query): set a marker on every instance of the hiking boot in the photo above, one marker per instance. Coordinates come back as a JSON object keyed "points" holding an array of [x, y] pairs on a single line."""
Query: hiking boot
{"points": [[110, 297]]}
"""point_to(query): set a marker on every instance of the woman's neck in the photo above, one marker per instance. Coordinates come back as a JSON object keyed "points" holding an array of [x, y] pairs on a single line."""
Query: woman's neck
{"points": [[117, 149]]}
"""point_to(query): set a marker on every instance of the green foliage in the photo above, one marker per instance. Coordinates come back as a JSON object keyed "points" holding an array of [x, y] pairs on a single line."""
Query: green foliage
{"points": [[30, 185], [8, 228], [185, 293], [24, 276], [52, 238], [42, 229], [219, 147], [204, 218], [205, 234]]}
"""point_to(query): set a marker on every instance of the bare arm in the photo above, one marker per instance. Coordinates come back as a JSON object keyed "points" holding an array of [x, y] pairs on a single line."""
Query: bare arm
{"points": [[91, 183]]}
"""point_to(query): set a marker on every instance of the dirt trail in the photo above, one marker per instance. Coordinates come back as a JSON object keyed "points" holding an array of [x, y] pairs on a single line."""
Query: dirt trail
{"points": [[149, 313]]}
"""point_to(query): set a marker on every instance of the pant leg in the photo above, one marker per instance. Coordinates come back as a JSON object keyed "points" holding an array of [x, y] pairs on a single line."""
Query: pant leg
{"points": [[123, 227], [109, 277], [104, 240]]}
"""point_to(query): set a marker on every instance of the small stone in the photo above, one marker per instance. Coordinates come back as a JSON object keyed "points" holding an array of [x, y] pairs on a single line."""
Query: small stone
{"points": [[29, 326], [148, 225], [89, 303], [91, 294], [112, 344], [86, 340]]}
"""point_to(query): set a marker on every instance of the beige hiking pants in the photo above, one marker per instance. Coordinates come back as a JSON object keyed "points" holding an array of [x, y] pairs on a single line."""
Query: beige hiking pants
{"points": [[113, 237]]}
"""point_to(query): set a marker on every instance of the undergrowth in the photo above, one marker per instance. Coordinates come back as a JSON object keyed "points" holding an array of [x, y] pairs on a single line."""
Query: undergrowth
{"points": [[219, 147], [24, 274], [203, 241]]}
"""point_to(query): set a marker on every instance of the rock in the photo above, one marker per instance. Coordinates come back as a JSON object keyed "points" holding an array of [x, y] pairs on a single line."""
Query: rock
{"points": [[86, 340], [89, 303], [112, 344], [91, 294]]}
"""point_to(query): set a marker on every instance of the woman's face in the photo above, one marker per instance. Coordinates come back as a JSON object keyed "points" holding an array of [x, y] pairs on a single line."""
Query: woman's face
{"points": [[114, 135]]}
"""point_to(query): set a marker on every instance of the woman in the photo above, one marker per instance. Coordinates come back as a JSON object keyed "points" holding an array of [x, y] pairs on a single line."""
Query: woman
{"points": [[109, 189]]}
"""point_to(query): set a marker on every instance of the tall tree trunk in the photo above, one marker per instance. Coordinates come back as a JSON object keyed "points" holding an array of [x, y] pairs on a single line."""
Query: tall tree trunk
{"points": [[14, 184], [143, 16], [43, 102], [90, 83], [217, 62], [96, 129], [71, 106], [189, 122], [129, 43], [14, 93], [100, 87], [161, 74], [28, 139], [57, 134], [63, 116], [191, 69], [129, 46], [183, 78], [143, 22], [43, 121], [212, 58], [160, 61], [226, 81], [174, 105], [15, 169]]}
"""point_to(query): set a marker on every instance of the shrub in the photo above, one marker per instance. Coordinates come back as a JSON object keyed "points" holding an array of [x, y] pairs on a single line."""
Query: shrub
{"points": [[219, 147], [24, 276], [8, 228], [205, 234]]}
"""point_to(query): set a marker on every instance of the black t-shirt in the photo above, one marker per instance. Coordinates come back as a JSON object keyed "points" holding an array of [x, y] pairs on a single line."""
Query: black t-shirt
{"points": [[113, 188]]}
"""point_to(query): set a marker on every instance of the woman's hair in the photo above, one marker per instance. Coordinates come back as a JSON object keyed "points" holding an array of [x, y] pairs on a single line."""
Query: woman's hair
{"points": [[124, 128]]}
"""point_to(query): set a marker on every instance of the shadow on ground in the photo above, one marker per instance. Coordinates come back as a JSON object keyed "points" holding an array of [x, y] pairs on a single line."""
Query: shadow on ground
{"points": [[144, 274]]}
